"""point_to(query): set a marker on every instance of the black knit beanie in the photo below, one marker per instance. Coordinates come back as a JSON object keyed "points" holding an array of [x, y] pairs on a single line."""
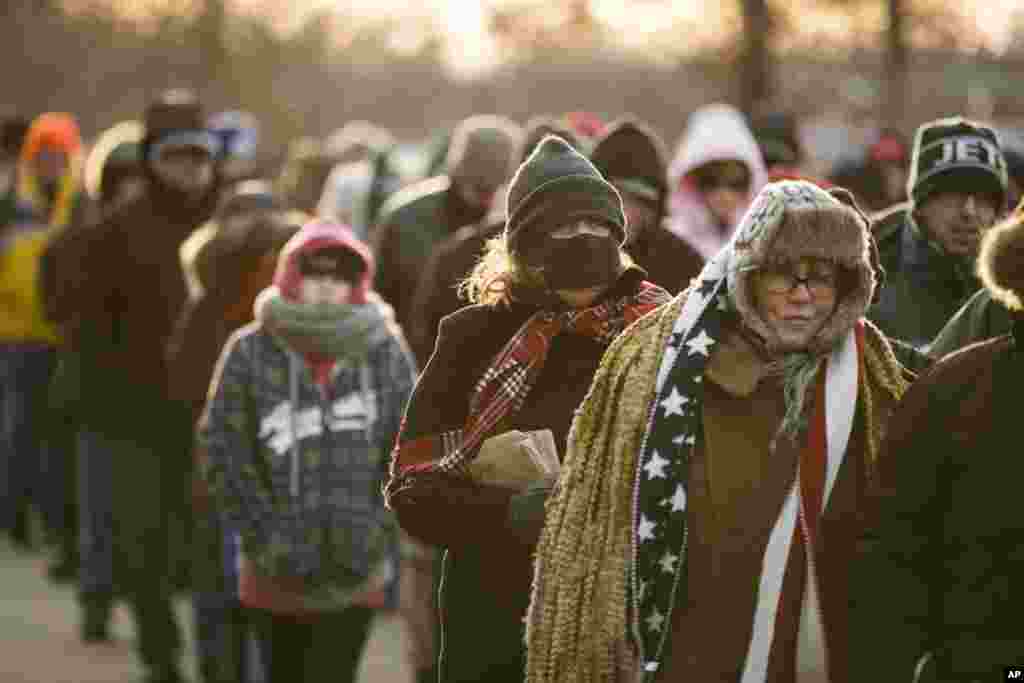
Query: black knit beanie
{"points": [[956, 154], [555, 186]]}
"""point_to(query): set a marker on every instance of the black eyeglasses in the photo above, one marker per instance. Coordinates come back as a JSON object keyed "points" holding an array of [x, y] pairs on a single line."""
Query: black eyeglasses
{"points": [[784, 280]]}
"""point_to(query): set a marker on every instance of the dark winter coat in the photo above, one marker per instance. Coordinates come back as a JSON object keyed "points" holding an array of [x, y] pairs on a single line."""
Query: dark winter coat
{"points": [[979, 319], [117, 289], [923, 286], [945, 572], [488, 568], [413, 222]]}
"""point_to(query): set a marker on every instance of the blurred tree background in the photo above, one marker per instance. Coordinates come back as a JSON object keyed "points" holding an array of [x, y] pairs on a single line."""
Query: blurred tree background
{"points": [[893, 62]]}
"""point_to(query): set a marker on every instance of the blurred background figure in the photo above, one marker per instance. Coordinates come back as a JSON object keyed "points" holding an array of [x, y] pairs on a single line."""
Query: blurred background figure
{"points": [[416, 219], [778, 136], [715, 174], [47, 198], [877, 175], [239, 133], [113, 169], [12, 137], [361, 175], [301, 180]]}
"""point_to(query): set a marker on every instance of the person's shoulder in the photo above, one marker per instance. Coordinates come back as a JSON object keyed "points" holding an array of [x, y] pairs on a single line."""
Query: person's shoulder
{"points": [[967, 365], [423, 196], [888, 224]]}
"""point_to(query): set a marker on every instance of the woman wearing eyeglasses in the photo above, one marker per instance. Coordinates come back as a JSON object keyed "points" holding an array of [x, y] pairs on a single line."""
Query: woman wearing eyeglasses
{"points": [[718, 169], [720, 473]]}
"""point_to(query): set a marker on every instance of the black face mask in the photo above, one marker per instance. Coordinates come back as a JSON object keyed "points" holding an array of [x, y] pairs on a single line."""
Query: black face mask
{"points": [[579, 262]]}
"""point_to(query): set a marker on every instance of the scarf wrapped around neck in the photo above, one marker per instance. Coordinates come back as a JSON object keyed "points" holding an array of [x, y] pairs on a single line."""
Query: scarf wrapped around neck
{"points": [[344, 332], [504, 387], [611, 562]]}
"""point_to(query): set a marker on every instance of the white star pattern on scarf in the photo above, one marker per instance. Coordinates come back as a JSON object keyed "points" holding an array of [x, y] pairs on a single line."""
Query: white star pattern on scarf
{"points": [[646, 530], [679, 499], [655, 467], [655, 621], [668, 563], [700, 344], [673, 405]]}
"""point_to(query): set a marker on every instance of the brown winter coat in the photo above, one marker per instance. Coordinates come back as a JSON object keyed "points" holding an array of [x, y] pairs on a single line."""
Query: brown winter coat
{"points": [[486, 584], [737, 488]]}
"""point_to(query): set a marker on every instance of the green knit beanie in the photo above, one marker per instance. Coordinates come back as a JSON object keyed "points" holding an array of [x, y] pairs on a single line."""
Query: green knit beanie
{"points": [[555, 186]]}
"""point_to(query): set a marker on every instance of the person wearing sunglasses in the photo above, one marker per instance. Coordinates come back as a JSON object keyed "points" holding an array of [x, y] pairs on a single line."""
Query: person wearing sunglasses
{"points": [[717, 171], [719, 471]]}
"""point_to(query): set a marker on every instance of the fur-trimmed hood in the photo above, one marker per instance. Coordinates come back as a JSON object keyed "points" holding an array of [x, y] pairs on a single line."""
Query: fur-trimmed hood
{"points": [[1001, 261], [795, 219]]}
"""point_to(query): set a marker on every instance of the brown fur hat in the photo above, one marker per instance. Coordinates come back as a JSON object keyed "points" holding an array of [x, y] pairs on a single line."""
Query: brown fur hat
{"points": [[794, 219], [1001, 261]]}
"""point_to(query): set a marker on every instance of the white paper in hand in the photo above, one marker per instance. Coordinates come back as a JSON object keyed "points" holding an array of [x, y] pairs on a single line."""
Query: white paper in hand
{"points": [[516, 459]]}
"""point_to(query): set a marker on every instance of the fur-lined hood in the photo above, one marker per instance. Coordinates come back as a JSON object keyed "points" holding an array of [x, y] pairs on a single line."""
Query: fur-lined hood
{"points": [[1001, 262], [795, 219]]}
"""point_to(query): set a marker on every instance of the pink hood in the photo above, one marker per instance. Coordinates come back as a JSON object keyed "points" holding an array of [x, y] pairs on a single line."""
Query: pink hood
{"points": [[313, 236], [717, 132]]}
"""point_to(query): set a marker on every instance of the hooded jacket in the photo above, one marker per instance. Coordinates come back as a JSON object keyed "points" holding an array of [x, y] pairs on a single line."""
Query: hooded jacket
{"points": [[631, 150], [416, 219], [717, 132], [940, 589], [297, 469]]}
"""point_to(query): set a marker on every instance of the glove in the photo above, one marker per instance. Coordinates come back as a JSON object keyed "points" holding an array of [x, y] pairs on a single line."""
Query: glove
{"points": [[526, 511]]}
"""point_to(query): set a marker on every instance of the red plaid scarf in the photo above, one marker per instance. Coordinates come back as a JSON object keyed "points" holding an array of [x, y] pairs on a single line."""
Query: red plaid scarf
{"points": [[507, 382]]}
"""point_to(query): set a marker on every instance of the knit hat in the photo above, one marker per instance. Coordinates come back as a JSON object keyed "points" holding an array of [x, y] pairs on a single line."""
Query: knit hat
{"points": [[557, 185], [483, 150], [628, 152], [956, 154], [795, 219]]}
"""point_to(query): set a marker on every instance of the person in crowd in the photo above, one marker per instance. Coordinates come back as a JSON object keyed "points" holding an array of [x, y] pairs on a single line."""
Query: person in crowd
{"points": [[117, 293], [718, 471], [982, 317], [716, 172], [438, 293], [227, 263], [360, 151], [632, 157], [304, 405], [239, 133], [547, 298], [878, 175], [304, 173], [419, 217], [778, 136], [49, 187], [938, 599], [112, 176], [113, 170], [957, 188], [12, 138]]}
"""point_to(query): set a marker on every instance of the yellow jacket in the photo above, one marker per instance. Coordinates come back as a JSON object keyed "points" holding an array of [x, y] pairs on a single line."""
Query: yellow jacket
{"points": [[21, 304]]}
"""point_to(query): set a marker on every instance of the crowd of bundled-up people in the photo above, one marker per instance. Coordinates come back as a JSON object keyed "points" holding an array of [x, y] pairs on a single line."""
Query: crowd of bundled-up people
{"points": [[574, 409]]}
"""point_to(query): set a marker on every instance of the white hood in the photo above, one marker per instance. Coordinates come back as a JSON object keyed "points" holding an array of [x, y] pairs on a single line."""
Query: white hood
{"points": [[717, 132]]}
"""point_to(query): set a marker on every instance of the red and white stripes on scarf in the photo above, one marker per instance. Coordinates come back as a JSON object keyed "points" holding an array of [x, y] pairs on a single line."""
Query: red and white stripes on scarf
{"points": [[504, 387]]}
